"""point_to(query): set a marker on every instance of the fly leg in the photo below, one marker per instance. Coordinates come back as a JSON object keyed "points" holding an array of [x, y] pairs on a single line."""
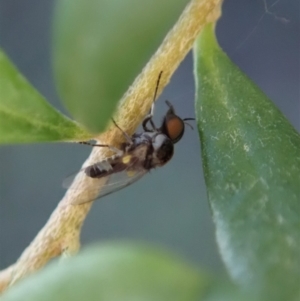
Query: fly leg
{"points": [[117, 151], [127, 137], [112, 148], [148, 118]]}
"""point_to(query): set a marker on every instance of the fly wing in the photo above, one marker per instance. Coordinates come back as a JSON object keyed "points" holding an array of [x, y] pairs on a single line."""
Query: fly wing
{"points": [[109, 176], [120, 180]]}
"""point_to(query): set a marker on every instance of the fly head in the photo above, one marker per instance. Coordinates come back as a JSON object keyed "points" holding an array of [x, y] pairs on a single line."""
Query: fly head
{"points": [[172, 125]]}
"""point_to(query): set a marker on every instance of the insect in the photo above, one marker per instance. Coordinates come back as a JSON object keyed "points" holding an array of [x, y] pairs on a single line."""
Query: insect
{"points": [[140, 153]]}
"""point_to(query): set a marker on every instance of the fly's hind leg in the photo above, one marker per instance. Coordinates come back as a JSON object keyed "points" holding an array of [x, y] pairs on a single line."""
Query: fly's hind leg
{"points": [[127, 137], [112, 148], [117, 151]]}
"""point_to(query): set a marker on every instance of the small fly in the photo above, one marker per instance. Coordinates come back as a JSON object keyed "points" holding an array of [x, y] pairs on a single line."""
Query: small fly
{"points": [[140, 153]]}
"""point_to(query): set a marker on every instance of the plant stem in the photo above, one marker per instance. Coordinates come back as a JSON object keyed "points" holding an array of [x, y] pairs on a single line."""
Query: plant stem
{"points": [[62, 231]]}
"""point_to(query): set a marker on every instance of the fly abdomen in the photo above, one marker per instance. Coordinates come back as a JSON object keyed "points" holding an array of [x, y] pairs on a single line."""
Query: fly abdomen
{"points": [[95, 171], [105, 168], [99, 169]]}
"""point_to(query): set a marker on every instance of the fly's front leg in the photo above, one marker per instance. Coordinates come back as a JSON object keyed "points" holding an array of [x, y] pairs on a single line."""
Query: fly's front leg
{"points": [[147, 119]]}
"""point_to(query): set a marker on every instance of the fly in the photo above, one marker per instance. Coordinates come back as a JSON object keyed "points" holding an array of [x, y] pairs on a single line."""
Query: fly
{"points": [[140, 153]]}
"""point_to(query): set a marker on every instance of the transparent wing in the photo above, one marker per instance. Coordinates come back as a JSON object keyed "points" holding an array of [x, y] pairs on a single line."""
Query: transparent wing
{"points": [[121, 180], [102, 165], [107, 184]]}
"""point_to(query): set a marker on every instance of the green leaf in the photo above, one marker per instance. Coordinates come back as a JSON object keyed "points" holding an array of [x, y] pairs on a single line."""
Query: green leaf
{"points": [[101, 46], [25, 116], [122, 271], [113, 272], [251, 157]]}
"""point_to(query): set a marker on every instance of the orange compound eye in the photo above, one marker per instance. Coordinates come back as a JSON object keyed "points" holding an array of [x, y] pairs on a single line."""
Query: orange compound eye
{"points": [[172, 125], [174, 128]]}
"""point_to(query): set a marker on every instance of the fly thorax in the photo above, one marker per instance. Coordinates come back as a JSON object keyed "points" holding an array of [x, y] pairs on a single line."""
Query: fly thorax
{"points": [[136, 142], [163, 149]]}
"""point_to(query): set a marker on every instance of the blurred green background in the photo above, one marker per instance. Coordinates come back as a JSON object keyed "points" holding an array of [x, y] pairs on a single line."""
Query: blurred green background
{"points": [[169, 206]]}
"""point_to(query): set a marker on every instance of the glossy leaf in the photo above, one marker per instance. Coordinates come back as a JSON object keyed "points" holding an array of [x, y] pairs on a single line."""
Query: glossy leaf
{"points": [[25, 116], [101, 46], [251, 157], [113, 272], [122, 271]]}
